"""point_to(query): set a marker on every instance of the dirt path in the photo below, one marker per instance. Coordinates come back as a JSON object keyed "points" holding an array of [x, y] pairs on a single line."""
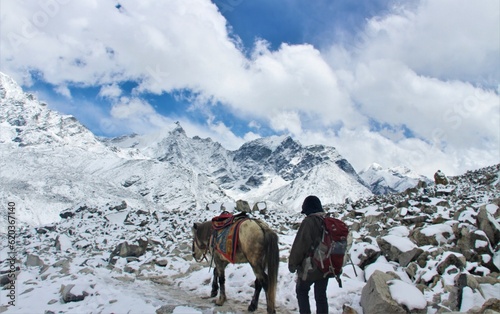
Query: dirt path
{"points": [[166, 296]]}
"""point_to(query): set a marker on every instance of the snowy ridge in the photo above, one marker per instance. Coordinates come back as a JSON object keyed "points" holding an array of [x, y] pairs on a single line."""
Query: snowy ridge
{"points": [[390, 180], [52, 162]]}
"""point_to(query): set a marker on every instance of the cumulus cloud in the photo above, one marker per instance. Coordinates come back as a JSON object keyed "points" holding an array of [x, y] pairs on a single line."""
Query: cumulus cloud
{"points": [[449, 40], [110, 91], [414, 88]]}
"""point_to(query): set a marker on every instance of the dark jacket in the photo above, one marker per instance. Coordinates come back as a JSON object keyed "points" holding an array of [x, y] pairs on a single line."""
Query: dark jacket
{"points": [[307, 238]]}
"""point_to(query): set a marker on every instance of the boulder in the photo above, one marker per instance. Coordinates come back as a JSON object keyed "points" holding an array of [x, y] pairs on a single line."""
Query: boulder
{"points": [[34, 261], [126, 250], [440, 178], [398, 249], [260, 207], [407, 257], [63, 243], [67, 213], [457, 260], [435, 235], [364, 254], [489, 225], [491, 306], [242, 206], [119, 207], [465, 243], [68, 296], [376, 297]]}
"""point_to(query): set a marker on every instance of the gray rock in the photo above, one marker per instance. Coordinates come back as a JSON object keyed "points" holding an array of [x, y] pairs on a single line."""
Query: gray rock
{"points": [[407, 257], [451, 259], [127, 250], [392, 253], [67, 296], [242, 206], [488, 224], [34, 261], [376, 297]]}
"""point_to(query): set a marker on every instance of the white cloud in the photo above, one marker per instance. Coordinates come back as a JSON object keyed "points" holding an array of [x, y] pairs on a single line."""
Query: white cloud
{"points": [[110, 91], [63, 90], [415, 69], [447, 39], [137, 116]]}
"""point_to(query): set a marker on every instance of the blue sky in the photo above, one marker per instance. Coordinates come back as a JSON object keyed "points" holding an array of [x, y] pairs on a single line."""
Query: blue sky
{"points": [[400, 83]]}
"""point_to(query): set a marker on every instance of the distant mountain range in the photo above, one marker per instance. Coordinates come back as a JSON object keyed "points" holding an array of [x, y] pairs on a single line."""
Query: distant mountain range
{"points": [[391, 180], [51, 161]]}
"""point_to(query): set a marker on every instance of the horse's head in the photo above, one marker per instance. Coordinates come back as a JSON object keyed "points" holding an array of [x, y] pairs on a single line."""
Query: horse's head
{"points": [[201, 238]]}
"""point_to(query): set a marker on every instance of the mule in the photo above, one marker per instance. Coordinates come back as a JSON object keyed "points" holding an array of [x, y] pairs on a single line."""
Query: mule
{"points": [[257, 245]]}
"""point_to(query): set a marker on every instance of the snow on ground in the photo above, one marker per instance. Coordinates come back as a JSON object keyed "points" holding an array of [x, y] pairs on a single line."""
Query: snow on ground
{"points": [[76, 252]]}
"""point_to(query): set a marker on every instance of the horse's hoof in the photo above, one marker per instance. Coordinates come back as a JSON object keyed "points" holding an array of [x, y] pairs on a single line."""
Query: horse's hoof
{"points": [[219, 302], [252, 307], [213, 294]]}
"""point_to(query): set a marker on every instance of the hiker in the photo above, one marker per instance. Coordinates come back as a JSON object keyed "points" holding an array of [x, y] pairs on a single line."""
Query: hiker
{"points": [[308, 236]]}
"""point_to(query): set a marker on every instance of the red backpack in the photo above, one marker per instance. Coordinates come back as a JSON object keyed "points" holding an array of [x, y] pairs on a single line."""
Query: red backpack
{"points": [[328, 256]]}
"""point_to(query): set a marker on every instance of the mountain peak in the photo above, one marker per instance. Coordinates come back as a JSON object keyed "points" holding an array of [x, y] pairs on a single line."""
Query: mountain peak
{"points": [[374, 167], [389, 180], [178, 129], [9, 89], [30, 122]]}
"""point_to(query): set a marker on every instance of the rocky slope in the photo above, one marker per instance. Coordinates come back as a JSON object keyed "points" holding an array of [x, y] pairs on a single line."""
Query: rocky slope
{"points": [[438, 245]]}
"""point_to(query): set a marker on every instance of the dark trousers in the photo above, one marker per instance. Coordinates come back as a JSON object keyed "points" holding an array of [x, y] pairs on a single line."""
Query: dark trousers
{"points": [[302, 289]]}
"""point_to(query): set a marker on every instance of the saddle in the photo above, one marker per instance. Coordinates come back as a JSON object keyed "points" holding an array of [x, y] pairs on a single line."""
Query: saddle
{"points": [[225, 234]]}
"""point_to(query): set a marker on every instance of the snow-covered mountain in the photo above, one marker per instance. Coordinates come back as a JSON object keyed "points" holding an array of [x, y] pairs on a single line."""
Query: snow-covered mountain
{"points": [[390, 180], [104, 225], [50, 162]]}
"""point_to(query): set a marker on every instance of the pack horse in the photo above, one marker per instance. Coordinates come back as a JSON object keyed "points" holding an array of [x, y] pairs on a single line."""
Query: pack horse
{"points": [[238, 239]]}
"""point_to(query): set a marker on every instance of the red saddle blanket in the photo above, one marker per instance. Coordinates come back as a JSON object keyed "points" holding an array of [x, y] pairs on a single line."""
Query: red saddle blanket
{"points": [[226, 233]]}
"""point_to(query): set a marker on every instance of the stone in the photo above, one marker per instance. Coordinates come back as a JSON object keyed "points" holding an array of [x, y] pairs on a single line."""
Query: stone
{"points": [[376, 297], [260, 207], [368, 256], [33, 261], [488, 224], [66, 214], [491, 306], [242, 206], [161, 262], [67, 296], [130, 250], [435, 235], [440, 178], [63, 243], [122, 206], [451, 259], [166, 309], [407, 257]]}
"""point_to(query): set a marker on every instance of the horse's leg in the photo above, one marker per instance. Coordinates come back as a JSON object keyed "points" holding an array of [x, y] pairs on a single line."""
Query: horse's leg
{"points": [[215, 284], [255, 299], [269, 302], [221, 266]]}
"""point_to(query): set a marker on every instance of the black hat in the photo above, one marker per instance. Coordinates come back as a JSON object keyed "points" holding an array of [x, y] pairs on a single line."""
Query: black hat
{"points": [[311, 205]]}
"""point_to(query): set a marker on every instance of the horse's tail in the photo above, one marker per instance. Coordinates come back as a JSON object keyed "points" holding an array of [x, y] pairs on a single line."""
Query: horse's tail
{"points": [[272, 263]]}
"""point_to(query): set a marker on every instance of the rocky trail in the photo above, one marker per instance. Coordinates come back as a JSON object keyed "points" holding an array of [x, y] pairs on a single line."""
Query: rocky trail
{"points": [[430, 249]]}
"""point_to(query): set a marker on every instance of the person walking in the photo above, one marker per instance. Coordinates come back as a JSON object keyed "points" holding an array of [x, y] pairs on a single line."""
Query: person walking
{"points": [[308, 237]]}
